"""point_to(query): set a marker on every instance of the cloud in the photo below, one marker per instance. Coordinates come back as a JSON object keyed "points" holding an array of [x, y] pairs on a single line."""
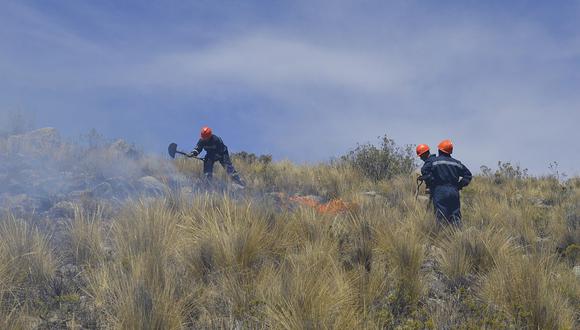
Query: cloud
{"points": [[308, 88]]}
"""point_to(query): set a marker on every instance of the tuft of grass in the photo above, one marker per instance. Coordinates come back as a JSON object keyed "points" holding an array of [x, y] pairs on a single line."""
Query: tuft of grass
{"points": [[471, 251], [142, 287], [26, 255], [27, 265], [130, 297], [85, 238], [221, 235], [402, 249], [526, 287], [309, 290]]}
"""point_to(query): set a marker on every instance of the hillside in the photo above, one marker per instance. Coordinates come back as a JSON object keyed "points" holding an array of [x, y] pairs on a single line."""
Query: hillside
{"points": [[101, 235]]}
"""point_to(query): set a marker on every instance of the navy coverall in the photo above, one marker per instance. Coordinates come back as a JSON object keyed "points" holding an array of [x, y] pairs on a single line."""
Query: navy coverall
{"points": [[216, 150], [425, 161], [445, 176]]}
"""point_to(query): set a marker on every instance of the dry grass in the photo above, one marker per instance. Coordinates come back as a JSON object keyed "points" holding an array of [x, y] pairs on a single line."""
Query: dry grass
{"points": [[526, 287], [472, 252], [225, 260], [85, 238], [27, 264]]}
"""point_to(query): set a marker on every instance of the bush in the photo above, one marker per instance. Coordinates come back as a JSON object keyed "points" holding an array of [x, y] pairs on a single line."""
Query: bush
{"points": [[252, 158], [505, 171], [381, 162]]}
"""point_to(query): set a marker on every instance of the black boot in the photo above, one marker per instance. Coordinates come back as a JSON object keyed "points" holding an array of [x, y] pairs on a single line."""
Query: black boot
{"points": [[238, 180]]}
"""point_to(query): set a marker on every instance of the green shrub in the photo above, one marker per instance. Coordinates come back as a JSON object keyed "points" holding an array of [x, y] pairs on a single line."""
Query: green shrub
{"points": [[383, 161]]}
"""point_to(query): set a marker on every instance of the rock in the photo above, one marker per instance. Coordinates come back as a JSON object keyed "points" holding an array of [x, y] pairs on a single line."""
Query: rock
{"points": [[541, 203], [121, 147], [31, 322], [371, 193], [63, 209], [121, 187], [103, 190], [186, 192], [69, 270], [23, 204], [541, 240], [151, 186], [43, 141], [53, 318]]}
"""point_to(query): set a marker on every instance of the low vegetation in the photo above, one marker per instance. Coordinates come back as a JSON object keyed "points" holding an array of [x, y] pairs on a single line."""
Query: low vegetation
{"points": [[222, 258]]}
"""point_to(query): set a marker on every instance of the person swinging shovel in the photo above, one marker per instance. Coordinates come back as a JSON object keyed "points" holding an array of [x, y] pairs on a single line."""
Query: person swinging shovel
{"points": [[216, 150]]}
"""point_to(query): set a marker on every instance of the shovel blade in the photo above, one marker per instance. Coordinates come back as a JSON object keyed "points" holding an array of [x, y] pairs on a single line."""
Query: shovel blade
{"points": [[172, 149]]}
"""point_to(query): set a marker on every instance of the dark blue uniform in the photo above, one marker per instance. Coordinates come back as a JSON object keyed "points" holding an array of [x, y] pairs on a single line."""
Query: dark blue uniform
{"points": [[216, 150], [445, 176], [428, 190]]}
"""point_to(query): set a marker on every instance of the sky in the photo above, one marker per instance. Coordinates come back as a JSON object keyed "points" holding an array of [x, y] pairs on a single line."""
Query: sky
{"points": [[303, 80]]}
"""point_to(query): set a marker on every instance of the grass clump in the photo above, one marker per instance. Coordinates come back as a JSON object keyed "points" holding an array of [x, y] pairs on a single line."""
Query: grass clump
{"points": [[526, 287]]}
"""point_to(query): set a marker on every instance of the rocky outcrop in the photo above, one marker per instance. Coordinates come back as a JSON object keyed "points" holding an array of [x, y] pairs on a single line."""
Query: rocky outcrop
{"points": [[43, 141]]}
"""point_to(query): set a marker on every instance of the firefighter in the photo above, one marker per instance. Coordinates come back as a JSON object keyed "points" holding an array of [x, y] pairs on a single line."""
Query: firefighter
{"points": [[445, 176], [424, 153], [216, 150]]}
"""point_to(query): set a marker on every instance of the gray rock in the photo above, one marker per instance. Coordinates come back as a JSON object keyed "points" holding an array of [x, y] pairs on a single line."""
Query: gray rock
{"points": [[151, 186], [541, 203], [186, 192], [103, 190], [23, 204], [121, 147], [69, 270], [31, 322], [63, 209], [371, 193], [121, 187], [42, 141]]}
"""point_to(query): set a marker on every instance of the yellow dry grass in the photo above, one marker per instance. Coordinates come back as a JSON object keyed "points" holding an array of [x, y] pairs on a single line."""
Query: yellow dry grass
{"points": [[217, 261]]}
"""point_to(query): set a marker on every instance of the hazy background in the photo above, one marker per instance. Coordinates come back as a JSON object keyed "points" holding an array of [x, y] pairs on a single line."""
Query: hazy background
{"points": [[303, 80]]}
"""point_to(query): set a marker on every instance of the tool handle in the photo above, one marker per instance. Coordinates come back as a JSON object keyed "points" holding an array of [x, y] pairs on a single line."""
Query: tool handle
{"points": [[187, 155]]}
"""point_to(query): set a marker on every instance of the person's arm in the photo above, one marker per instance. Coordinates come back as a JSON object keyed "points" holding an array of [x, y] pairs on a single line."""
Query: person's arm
{"points": [[427, 173], [465, 177], [197, 150]]}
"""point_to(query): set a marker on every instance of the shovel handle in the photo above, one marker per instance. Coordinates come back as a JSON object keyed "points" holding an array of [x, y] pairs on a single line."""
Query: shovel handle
{"points": [[187, 155]]}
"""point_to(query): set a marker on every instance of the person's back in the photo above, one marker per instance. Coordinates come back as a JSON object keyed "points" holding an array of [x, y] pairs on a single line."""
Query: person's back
{"points": [[445, 176], [447, 170]]}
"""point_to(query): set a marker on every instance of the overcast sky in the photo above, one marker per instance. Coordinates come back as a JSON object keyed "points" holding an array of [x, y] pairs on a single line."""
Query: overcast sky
{"points": [[303, 80]]}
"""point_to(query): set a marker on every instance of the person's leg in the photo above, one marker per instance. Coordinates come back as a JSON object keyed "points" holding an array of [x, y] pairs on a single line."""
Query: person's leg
{"points": [[208, 169], [226, 162], [455, 208], [452, 206], [439, 205]]}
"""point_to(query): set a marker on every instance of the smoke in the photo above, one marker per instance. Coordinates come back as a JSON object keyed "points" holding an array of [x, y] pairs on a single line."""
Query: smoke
{"points": [[15, 122], [39, 169]]}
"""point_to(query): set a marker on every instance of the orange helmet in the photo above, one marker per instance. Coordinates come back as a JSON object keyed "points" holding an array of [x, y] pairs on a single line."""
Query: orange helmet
{"points": [[421, 149], [206, 133], [446, 146]]}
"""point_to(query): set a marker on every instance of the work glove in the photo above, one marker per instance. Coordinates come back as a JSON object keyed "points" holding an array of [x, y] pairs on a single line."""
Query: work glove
{"points": [[193, 153]]}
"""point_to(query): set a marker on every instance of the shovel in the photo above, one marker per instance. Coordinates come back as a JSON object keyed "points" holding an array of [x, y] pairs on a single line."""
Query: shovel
{"points": [[172, 149]]}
